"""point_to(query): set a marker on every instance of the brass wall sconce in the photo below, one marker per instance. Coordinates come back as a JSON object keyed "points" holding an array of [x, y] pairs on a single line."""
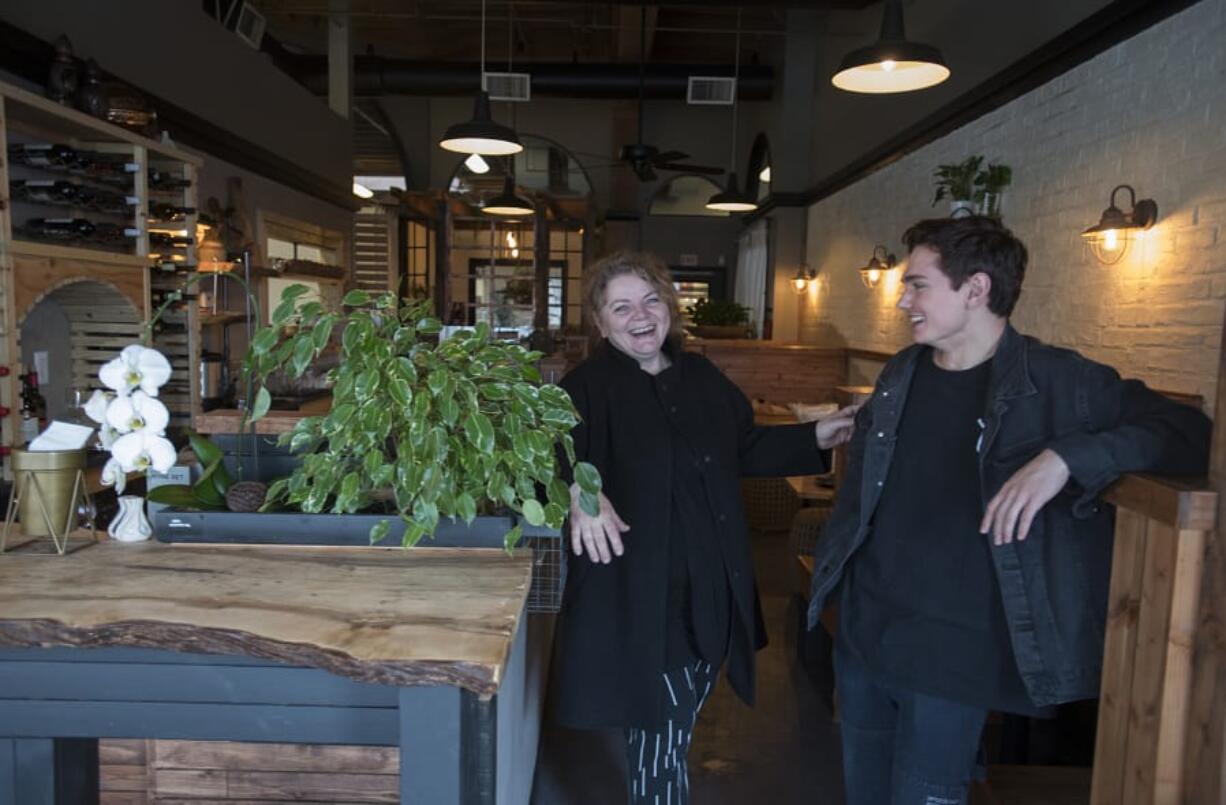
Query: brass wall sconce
{"points": [[804, 275], [1116, 229], [881, 262]]}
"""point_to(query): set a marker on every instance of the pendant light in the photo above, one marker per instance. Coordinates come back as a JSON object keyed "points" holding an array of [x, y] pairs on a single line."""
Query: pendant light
{"points": [[892, 64], [481, 135], [731, 199], [507, 202]]}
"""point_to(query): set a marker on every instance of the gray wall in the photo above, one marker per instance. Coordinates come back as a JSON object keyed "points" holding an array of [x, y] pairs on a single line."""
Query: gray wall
{"points": [[978, 39], [171, 49]]}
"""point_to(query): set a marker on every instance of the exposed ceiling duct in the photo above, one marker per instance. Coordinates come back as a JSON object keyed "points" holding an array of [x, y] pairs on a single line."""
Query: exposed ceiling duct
{"points": [[376, 75]]}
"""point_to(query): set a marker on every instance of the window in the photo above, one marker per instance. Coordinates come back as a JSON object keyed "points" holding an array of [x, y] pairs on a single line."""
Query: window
{"points": [[289, 239], [416, 257]]}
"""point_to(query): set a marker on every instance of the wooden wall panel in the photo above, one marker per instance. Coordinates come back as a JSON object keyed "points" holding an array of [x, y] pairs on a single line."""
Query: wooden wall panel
{"points": [[777, 373]]}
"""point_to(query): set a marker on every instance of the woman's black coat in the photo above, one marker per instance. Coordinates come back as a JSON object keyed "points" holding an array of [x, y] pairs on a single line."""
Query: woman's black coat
{"points": [[611, 648]]}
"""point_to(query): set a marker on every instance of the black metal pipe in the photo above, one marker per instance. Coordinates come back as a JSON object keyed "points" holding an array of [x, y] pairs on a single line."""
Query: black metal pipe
{"points": [[376, 75]]}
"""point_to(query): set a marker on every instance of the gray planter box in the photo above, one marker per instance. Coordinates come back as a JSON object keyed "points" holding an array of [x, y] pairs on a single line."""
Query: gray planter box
{"points": [[296, 528]]}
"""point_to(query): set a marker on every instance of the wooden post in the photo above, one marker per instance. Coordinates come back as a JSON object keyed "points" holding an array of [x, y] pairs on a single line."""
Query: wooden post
{"points": [[1204, 763], [540, 269]]}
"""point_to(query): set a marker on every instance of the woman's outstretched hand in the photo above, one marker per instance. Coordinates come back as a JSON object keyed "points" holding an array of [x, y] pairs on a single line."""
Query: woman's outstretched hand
{"points": [[600, 536], [837, 428]]}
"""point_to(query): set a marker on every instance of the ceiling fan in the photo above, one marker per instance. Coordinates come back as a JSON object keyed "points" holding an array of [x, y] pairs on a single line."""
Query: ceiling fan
{"points": [[645, 159]]}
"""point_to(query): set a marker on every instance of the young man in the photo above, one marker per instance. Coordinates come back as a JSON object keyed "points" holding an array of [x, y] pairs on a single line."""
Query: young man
{"points": [[969, 549]]}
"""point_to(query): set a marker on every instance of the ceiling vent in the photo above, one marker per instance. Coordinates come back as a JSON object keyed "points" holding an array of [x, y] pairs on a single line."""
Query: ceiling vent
{"points": [[710, 90], [508, 86]]}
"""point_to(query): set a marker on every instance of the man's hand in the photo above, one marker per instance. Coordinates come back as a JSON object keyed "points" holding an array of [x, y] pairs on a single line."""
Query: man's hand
{"points": [[600, 535], [1013, 508], [837, 428]]}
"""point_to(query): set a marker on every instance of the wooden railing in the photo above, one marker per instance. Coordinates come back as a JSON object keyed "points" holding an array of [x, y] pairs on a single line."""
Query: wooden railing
{"points": [[1161, 529]]}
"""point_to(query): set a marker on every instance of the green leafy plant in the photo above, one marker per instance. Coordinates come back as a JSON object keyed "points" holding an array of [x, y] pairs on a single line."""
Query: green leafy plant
{"points": [[956, 181], [427, 428], [209, 491], [717, 312], [989, 184]]}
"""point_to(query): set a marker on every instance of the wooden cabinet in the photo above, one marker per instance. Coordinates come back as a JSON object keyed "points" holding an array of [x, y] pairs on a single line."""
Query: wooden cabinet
{"points": [[138, 197]]}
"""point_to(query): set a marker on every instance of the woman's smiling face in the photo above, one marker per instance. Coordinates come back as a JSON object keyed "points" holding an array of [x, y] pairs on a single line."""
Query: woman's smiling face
{"points": [[634, 318]]}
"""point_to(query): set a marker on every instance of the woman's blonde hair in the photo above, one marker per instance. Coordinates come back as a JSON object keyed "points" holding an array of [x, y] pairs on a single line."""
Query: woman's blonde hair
{"points": [[646, 267]]}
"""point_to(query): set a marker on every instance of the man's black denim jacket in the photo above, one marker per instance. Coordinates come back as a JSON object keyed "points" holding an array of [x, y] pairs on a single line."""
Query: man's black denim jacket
{"points": [[1054, 583]]}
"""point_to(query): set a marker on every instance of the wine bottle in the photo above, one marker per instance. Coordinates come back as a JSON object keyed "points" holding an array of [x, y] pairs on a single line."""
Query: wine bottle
{"points": [[107, 201], [162, 181], [37, 400], [169, 212], [160, 240], [68, 229], [55, 191], [43, 155], [114, 234], [29, 415]]}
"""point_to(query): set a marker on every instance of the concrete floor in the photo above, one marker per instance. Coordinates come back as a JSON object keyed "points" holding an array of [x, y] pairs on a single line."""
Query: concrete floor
{"points": [[782, 752]]}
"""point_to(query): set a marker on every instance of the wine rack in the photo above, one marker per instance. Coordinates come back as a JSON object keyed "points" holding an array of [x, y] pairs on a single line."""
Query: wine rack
{"points": [[84, 201]]}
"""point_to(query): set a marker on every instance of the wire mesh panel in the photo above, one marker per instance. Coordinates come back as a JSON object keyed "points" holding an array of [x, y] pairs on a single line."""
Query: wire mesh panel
{"points": [[548, 572], [770, 503]]}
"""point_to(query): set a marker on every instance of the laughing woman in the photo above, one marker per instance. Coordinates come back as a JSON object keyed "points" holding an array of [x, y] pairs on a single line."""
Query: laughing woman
{"points": [[662, 593]]}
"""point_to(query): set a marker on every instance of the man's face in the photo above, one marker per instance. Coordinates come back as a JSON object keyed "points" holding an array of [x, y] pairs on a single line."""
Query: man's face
{"points": [[939, 314]]}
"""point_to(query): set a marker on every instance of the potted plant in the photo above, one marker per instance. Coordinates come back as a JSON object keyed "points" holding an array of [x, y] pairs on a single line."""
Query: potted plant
{"points": [[719, 319], [423, 433], [990, 183], [956, 181]]}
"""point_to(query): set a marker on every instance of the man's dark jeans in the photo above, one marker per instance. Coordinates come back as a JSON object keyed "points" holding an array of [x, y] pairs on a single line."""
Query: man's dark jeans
{"points": [[901, 747]]}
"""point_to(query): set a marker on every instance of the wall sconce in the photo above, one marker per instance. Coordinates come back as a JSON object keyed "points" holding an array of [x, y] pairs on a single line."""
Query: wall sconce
{"points": [[804, 275], [1109, 239], [881, 262]]}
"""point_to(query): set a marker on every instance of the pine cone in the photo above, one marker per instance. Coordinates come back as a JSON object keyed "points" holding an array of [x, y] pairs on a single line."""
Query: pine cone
{"points": [[246, 496]]}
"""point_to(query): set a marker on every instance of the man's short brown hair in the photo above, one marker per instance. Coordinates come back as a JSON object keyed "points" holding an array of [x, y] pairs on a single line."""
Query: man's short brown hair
{"points": [[973, 244]]}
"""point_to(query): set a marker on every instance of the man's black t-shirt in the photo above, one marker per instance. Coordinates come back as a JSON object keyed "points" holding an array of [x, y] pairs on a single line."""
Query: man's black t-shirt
{"points": [[921, 605]]}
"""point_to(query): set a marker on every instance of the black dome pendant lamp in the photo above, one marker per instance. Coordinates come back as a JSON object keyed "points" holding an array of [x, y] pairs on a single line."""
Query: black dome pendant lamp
{"points": [[481, 135], [892, 64]]}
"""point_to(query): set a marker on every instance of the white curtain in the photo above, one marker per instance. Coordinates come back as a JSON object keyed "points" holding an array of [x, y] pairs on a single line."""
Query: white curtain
{"points": [[751, 265]]}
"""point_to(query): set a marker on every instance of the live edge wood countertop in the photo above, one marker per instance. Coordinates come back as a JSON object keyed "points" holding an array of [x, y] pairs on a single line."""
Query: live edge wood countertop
{"points": [[384, 615]]}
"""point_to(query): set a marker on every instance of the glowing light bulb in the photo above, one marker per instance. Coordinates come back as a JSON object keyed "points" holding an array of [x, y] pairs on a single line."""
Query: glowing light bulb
{"points": [[1111, 240], [476, 164], [888, 65]]}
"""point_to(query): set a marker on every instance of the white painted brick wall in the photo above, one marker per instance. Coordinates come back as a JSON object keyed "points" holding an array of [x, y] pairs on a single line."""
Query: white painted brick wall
{"points": [[1150, 112]]}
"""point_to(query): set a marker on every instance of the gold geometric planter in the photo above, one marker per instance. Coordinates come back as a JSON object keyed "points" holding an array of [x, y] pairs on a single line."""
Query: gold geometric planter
{"points": [[48, 492]]}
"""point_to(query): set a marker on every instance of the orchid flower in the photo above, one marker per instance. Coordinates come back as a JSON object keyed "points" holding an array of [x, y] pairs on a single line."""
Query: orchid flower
{"points": [[138, 412], [107, 436], [143, 450], [95, 407], [136, 367], [113, 475]]}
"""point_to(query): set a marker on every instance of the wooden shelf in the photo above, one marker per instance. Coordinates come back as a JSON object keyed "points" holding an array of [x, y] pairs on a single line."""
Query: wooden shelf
{"points": [[221, 318], [29, 110], [35, 249]]}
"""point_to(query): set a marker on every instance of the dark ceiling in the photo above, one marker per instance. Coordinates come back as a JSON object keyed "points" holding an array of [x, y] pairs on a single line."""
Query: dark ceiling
{"points": [[558, 31]]}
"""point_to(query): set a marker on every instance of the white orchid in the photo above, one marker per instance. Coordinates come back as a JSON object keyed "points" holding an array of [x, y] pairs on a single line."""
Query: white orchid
{"points": [[95, 407], [113, 475], [136, 367], [138, 412], [107, 436], [143, 450]]}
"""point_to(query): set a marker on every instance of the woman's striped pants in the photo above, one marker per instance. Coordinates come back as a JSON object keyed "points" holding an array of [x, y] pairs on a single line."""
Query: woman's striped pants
{"points": [[656, 761]]}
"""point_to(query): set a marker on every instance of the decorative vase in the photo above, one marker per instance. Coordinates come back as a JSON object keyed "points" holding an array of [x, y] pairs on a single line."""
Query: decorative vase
{"points": [[63, 77], [961, 208], [130, 524]]}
